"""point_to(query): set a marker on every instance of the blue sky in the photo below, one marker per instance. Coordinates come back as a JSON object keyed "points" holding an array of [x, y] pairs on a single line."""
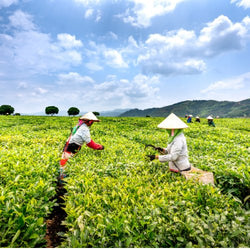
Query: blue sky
{"points": [[101, 55]]}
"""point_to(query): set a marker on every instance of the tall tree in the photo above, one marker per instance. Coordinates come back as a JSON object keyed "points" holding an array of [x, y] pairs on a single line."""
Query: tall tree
{"points": [[73, 111], [6, 110], [51, 110]]}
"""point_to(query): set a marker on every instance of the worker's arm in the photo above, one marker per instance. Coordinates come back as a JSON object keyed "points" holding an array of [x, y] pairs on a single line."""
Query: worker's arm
{"points": [[94, 145], [174, 154]]}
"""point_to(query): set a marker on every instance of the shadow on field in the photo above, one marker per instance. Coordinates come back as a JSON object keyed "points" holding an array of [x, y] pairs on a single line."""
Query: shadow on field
{"points": [[55, 219]]}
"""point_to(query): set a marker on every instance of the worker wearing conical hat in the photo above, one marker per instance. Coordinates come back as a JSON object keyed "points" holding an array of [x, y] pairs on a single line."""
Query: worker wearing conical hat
{"points": [[197, 119], [210, 121], [80, 135], [189, 119], [176, 152]]}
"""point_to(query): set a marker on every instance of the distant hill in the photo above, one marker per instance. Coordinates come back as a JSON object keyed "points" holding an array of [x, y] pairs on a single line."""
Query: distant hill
{"points": [[116, 112], [202, 108]]}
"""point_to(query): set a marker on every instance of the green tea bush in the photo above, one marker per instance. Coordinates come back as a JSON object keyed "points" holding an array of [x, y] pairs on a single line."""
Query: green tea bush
{"points": [[27, 167], [117, 198]]}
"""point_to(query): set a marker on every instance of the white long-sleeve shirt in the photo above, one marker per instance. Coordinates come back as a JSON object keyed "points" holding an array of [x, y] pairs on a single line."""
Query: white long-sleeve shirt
{"points": [[177, 154], [81, 136]]}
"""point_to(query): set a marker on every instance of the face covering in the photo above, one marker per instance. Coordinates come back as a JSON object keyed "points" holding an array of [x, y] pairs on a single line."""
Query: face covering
{"points": [[173, 133], [80, 122]]}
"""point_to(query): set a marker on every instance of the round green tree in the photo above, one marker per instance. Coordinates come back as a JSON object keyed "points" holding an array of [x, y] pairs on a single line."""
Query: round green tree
{"points": [[73, 111], [51, 110], [6, 110]]}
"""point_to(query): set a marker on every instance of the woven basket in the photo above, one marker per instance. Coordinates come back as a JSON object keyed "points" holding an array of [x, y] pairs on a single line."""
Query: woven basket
{"points": [[199, 175]]}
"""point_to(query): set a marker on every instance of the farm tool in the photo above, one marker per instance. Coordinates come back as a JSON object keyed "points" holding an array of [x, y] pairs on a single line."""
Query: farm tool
{"points": [[154, 147]]}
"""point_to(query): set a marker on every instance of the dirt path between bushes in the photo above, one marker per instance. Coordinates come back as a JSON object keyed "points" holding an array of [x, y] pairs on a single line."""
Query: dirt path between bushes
{"points": [[53, 222]]}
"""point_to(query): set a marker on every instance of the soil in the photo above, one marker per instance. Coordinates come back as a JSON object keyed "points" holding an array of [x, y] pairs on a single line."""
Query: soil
{"points": [[54, 221]]}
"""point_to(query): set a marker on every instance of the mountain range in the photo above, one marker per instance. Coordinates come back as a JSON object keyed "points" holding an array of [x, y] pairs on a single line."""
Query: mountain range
{"points": [[201, 108]]}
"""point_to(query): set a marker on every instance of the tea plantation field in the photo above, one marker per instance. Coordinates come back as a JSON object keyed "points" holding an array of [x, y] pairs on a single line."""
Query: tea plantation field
{"points": [[117, 198]]}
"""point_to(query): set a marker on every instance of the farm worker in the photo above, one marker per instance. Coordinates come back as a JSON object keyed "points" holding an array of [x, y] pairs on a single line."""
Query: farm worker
{"points": [[189, 119], [176, 152], [79, 136], [210, 121], [197, 119]]}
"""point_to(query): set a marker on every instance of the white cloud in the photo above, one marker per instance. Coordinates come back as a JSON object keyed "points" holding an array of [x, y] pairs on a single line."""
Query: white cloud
{"points": [[98, 16], [113, 35], [21, 20], [229, 84], [143, 11], [142, 86], [93, 66], [242, 3], [88, 2], [41, 90], [170, 54], [222, 35], [114, 59], [68, 41], [82, 91], [88, 13], [132, 42], [27, 49], [74, 78], [123, 92], [246, 24], [7, 3], [183, 52], [92, 11], [22, 85], [100, 54]]}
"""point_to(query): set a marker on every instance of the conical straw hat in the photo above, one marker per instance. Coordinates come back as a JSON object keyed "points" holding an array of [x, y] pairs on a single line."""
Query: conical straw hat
{"points": [[90, 116], [172, 122], [210, 117]]}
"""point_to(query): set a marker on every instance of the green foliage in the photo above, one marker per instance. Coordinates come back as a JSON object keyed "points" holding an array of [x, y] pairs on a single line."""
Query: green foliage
{"points": [[28, 165], [116, 198], [6, 110], [73, 111], [96, 113], [51, 110]]}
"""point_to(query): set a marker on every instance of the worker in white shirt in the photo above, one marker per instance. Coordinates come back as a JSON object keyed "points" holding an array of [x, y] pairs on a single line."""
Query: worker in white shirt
{"points": [[176, 152], [77, 138]]}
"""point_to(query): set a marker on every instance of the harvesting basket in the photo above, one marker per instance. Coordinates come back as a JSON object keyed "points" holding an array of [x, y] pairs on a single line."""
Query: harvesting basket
{"points": [[199, 175]]}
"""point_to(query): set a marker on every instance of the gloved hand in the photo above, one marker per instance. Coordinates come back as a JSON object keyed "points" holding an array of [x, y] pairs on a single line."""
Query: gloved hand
{"points": [[101, 147], [151, 157]]}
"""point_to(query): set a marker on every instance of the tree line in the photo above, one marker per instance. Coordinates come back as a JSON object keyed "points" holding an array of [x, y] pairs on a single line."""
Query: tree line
{"points": [[50, 110]]}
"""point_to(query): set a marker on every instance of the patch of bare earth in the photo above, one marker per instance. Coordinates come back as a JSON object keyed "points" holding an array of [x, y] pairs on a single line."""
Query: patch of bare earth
{"points": [[54, 221]]}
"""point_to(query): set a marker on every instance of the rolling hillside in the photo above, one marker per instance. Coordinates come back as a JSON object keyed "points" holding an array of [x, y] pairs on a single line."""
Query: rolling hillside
{"points": [[202, 108]]}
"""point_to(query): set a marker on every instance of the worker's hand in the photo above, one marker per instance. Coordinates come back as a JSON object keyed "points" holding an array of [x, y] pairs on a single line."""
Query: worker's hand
{"points": [[101, 147], [151, 157]]}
